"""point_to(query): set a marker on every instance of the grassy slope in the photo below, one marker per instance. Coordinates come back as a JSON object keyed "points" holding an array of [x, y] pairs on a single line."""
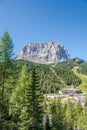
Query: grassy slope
{"points": [[83, 85]]}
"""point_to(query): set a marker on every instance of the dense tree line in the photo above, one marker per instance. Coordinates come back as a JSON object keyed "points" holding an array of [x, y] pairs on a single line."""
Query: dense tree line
{"points": [[68, 76], [68, 116], [83, 68], [52, 78]]}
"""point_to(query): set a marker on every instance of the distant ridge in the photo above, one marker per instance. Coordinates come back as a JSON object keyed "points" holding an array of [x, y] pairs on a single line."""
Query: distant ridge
{"points": [[48, 52]]}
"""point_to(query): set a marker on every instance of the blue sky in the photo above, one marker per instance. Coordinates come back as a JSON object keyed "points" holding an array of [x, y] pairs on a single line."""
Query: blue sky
{"points": [[64, 21]]}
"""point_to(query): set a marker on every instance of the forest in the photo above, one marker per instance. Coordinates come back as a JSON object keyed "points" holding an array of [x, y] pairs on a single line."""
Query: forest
{"points": [[23, 86]]}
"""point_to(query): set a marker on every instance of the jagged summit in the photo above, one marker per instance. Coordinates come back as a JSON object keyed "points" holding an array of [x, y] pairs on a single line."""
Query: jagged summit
{"points": [[48, 52]]}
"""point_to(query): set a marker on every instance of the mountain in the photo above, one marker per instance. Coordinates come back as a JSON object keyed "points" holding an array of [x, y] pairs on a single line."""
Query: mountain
{"points": [[78, 60], [51, 52]]}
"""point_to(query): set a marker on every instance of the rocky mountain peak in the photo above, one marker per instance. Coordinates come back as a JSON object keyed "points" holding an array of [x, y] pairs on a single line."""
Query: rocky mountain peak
{"points": [[48, 52]]}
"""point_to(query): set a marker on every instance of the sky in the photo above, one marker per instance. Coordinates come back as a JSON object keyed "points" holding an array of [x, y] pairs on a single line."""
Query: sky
{"points": [[62, 21]]}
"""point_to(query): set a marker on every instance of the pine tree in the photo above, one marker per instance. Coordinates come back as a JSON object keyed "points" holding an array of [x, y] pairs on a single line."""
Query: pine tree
{"points": [[68, 117], [32, 112], [80, 124], [57, 116], [78, 113], [17, 97], [82, 120], [6, 49]]}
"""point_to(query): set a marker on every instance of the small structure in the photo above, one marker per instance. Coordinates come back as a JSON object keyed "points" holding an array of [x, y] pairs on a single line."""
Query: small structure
{"points": [[70, 91]]}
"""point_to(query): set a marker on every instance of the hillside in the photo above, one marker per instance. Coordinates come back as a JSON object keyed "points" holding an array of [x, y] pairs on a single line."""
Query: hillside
{"points": [[83, 77], [54, 76]]}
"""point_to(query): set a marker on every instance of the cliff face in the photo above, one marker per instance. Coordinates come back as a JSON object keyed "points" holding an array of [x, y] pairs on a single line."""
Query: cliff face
{"points": [[51, 52]]}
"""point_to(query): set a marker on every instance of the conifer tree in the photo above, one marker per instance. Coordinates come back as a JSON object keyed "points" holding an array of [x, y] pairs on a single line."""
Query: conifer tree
{"points": [[68, 117], [6, 52], [57, 116], [80, 124], [6, 49], [82, 119], [78, 114], [17, 97], [32, 112]]}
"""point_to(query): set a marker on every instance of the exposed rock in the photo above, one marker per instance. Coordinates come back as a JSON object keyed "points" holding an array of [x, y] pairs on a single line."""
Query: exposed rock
{"points": [[51, 52]]}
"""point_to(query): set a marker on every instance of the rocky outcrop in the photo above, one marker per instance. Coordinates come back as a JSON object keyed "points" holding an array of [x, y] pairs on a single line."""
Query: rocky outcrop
{"points": [[51, 52]]}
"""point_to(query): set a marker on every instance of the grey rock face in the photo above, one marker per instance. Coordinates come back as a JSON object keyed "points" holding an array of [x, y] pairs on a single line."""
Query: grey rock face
{"points": [[51, 52]]}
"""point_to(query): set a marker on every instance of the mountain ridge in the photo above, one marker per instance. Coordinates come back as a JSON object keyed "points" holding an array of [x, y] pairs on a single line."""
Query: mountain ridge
{"points": [[48, 52]]}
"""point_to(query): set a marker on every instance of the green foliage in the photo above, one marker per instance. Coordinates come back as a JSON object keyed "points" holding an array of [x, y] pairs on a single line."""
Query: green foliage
{"points": [[6, 48], [57, 116], [64, 71], [69, 116], [83, 68], [17, 97], [78, 110], [47, 124], [32, 113], [53, 77], [4, 115]]}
